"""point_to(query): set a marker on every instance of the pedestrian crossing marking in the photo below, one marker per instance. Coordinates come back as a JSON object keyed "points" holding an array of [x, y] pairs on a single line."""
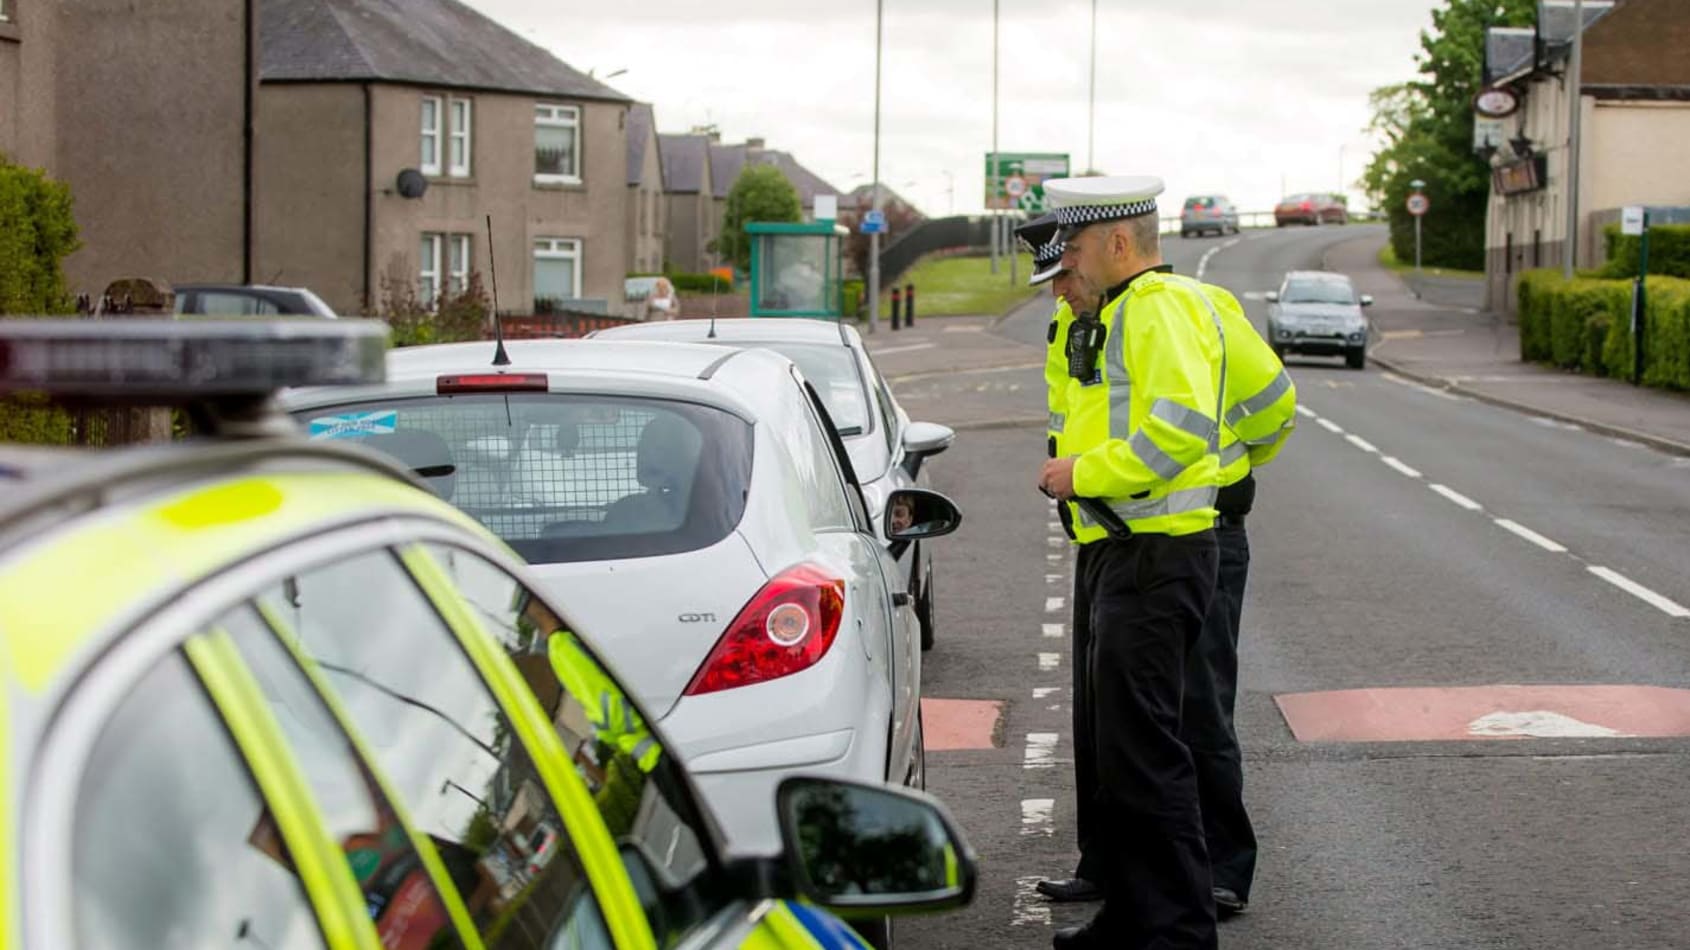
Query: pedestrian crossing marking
{"points": [[1053, 631]]}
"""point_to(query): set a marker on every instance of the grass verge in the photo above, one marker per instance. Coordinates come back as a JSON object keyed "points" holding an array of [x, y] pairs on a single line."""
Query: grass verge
{"points": [[954, 286], [1388, 260]]}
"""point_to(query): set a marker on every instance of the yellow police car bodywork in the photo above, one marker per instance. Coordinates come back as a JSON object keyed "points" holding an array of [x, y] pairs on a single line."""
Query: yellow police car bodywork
{"points": [[71, 591]]}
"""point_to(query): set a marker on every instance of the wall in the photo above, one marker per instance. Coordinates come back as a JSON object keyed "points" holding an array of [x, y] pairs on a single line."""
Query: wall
{"points": [[688, 231], [647, 214], [502, 184], [149, 138]]}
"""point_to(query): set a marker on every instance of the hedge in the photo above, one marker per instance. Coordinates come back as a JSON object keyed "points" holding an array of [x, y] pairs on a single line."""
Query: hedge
{"points": [[701, 283], [1669, 251], [1584, 324]]}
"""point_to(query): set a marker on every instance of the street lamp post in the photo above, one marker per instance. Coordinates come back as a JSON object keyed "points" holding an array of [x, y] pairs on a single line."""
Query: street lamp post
{"points": [[1569, 257], [874, 235], [1091, 98], [992, 170]]}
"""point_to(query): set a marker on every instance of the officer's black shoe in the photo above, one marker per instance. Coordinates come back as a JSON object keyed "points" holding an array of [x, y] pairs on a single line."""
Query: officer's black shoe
{"points": [[1228, 903], [1083, 937], [1071, 890]]}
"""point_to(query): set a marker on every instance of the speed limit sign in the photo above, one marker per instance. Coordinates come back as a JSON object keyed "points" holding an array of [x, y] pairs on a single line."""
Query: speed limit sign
{"points": [[1418, 205], [1015, 186]]}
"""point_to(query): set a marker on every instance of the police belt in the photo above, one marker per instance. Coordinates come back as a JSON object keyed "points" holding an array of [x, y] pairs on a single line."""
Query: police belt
{"points": [[1106, 517]]}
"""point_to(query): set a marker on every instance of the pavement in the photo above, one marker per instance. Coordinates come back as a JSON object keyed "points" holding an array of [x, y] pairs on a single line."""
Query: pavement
{"points": [[1466, 643], [1434, 331]]}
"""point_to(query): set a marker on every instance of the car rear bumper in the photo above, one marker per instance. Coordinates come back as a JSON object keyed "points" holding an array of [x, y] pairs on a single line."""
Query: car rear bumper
{"points": [[743, 800]]}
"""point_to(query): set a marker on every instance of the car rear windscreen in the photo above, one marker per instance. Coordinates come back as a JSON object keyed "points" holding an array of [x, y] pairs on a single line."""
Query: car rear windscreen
{"points": [[566, 477]]}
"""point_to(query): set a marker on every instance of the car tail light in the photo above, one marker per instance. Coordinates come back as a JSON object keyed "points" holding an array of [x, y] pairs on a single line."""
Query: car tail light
{"points": [[786, 627], [491, 383], [1308, 206]]}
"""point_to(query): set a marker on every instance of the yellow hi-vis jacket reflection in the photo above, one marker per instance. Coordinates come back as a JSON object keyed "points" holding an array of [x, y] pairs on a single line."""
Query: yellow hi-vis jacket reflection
{"points": [[1144, 427], [613, 718], [1056, 376]]}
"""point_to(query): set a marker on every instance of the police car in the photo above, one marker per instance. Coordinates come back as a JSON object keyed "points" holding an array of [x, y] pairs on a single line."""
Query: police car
{"points": [[263, 691]]}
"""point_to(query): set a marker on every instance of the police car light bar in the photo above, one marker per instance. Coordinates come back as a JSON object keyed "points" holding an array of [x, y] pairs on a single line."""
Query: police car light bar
{"points": [[177, 362]]}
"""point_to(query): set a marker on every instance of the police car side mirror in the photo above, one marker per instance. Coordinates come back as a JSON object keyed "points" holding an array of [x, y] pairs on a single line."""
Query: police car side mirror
{"points": [[864, 850], [916, 514], [1272, 296]]}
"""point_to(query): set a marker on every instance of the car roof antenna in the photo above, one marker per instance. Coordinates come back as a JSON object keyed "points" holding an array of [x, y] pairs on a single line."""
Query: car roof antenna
{"points": [[500, 357], [715, 290]]}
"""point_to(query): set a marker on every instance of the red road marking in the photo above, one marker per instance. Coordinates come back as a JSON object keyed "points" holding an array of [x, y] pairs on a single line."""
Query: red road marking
{"points": [[959, 723], [1444, 713]]}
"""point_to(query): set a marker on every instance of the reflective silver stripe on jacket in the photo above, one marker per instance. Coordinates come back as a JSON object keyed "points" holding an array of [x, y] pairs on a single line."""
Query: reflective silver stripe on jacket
{"points": [[1058, 422], [1175, 503], [1260, 401], [1233, 453], [1120, 384], [1183, 418]]}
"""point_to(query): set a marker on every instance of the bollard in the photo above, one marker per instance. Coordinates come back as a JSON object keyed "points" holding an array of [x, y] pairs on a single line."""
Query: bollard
{"points": [[896, 299], [909, 305]]}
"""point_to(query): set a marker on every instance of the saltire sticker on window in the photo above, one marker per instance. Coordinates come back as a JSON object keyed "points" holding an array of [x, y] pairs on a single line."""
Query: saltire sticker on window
{"points": [[352, 425]]}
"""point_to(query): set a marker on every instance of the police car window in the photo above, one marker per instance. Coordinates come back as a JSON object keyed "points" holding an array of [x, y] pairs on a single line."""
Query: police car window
{"points": [[639, 788], [401, 898], [563, 477], [173, 844], [446, 747]]}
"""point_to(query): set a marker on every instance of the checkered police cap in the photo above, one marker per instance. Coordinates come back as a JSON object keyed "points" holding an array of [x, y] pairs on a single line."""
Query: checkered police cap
{"points": [[1091, 214], [1082, 201]]}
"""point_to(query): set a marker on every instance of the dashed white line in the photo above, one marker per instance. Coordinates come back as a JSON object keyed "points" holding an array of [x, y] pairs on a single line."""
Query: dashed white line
{"points": [[1053, 578], [1029, 906], [1049, 661], [1054, 604], [1203, 262], [1457, 497], [1056, 543], [1329, 425], [1045, 692], [1395, 463], [1362, 443], [1036, 815], [1306, 411], [1040, 752], [1054, 631], [1053, 558], [1554, 547], [911, 348], [1663, 604]]}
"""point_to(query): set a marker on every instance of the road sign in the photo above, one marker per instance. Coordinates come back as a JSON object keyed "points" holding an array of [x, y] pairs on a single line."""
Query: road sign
{"points": [[1631, 220], [1418, 205], [874, 222], [1030, 169]]}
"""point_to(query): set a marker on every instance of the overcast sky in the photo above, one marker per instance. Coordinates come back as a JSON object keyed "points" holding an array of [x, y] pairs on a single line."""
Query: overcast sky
{"points": [[1246, 97]]}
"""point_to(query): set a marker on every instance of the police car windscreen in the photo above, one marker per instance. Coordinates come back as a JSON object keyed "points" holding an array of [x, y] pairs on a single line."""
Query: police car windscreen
{"points": [[564, 477], [832, 369]]}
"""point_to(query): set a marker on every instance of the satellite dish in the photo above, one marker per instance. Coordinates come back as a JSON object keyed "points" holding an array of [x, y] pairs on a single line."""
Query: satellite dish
{"points": [[412, 184]]}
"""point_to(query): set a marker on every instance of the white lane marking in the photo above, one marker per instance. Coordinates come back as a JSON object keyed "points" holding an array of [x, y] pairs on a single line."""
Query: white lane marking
{"points": [[1030, 907], [1056, 543], [1049, 661], [1255, 295], [1330, 426], [1457, 497], [1306, 411], [1362, 444], [1231, 243], [1036, 817], [1053, 558], [1045, 692], [911, 348], [1054, 604], [1393, 462], [1055, 527], [1053, 578], [1549, 423], [1536, 723], [1041, 751], [1532, 536], [1664, 605], [1054, 631], [973, 329], [1203, 262]]}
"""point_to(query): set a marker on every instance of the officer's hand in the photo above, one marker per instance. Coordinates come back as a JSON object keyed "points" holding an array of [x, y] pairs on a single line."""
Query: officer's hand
{"points": [[1057, 479]]}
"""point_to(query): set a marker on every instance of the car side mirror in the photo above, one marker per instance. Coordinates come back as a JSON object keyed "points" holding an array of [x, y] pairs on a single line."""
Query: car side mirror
{"points": [[864, 850], [916, 514], [1272, 296], [923, 440], [1367, 300]]}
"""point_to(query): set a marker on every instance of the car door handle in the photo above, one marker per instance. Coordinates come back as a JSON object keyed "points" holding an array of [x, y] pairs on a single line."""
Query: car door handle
{"points": [[901, 598]]}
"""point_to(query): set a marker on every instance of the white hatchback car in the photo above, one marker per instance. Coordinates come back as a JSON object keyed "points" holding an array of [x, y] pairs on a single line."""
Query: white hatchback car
{"points": [[886, 448], [696, 508]]}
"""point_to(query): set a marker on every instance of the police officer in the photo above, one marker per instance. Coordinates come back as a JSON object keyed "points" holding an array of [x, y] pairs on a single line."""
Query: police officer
{"points": [[1140, 467], [1259, 415]]}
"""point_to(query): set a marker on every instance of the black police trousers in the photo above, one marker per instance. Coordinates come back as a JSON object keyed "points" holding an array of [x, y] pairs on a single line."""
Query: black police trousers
{"points": [[1139, 605], [1206, 724]]}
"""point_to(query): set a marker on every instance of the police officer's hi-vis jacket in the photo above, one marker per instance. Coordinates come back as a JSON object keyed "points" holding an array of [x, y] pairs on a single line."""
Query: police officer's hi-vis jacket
{"points": [[1056, 375], [1141, 408], [1261, 401]]}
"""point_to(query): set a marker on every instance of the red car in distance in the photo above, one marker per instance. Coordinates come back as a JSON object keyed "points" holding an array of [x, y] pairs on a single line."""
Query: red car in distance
{"points": [[1311, 208]]}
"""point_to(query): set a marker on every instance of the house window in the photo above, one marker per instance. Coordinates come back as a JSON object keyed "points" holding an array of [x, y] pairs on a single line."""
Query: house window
{"points": [[457, 274], [431, 135], [428, 271], [458, 151], [557, 143], [557, 271]]}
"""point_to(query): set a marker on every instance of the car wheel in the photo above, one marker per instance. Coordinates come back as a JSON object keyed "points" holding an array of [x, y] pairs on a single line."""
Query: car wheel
{"points": [[924, 613], [1357, 359], [1184, 234]]}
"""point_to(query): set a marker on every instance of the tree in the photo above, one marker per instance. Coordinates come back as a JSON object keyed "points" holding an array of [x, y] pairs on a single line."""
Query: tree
{"points": [[37, 232], [761, 193], [1427, 126]]}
